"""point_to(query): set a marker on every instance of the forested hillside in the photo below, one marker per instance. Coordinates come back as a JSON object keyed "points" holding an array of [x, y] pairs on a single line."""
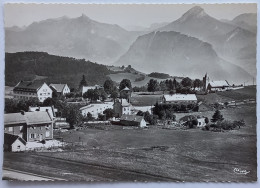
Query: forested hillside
{"points": [[51, 68]]}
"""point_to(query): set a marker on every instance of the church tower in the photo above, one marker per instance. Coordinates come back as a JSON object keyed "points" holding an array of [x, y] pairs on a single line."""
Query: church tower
{"points": [[205, 82]]}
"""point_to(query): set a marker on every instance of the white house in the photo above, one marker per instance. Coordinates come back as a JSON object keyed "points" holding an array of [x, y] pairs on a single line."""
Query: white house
{"points": [[132, 120], [180, 99], [86, 88], [221, 85], [32, 89], [122, 106], [61, 89], [14, 143], [95, 109]]}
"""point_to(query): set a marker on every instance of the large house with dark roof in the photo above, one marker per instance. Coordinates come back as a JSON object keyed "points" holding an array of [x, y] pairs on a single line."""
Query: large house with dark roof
{"points": [[32, 89], [31, 126], [61, 89]]}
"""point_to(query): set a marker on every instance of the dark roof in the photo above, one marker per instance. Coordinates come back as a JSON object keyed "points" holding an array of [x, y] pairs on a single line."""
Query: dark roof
{"points": [[9, 139], [58, 87], [28, 85], [133, 118]]}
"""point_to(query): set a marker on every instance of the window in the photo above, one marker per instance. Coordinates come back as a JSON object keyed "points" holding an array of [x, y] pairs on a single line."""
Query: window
{"points": [[10, 129], [18, 147], [32, 135], [124, 109], [21, 127], [199, 123], [47, 134]]}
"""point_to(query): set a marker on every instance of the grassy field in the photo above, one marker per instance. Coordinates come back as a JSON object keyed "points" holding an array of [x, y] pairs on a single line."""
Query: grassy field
{"points": [[184, 155], [144, 154]]}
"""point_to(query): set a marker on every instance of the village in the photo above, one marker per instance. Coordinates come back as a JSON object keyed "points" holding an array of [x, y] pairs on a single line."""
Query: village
{"points": [[42, 112]]}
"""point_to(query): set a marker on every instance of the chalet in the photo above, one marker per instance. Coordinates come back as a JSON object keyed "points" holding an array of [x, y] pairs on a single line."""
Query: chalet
{"points": [[61, 89], [32, 89], [31, 126], [95, 109], [132, 120], [180, 99], [14, 143], [84, 89], [221, 85], [125, 93], [122, 106]]}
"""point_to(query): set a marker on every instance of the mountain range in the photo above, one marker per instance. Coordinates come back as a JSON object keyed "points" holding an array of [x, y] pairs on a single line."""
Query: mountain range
{"points": [[191, 45], [79, 37], [227, 39]]}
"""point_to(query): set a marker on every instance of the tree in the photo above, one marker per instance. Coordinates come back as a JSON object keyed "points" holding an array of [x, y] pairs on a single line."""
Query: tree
{"points": [[114, 95], [96, 94], [152, 85], [217, 117], [186, 82], [170, 85], [197, 83], [11, 106], [109, 86], [73, 115], [109, 113], [49, 102], [89, 94], [206, 120], [163, 86], [101, 117], [83, 82], [89, 117], [54, 94], [125, 83]]}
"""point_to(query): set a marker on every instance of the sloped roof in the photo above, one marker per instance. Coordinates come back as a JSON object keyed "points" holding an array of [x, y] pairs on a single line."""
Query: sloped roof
{"points": [[28, 85], [50, 109], [9, 139], [37, 118], [125, 89], [14, 118], [29, 118], [219, 83], [180, 97], [133, 118], [58, 87]]}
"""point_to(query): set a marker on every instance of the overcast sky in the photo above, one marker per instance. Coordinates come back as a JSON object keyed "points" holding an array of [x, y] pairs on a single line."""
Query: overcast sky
{"points": [[123, 15]]}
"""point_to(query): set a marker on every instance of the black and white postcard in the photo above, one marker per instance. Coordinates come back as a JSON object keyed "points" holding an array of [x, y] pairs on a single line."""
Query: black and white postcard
{"points": [[130, 92]]}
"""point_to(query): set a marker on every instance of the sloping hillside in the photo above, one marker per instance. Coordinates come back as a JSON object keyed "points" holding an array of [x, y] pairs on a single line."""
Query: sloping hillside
{"points": [[51, 68]]}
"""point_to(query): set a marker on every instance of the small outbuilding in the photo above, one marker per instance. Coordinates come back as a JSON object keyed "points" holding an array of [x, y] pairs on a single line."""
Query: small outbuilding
{"points": [[14, 143], [132, 120]]}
